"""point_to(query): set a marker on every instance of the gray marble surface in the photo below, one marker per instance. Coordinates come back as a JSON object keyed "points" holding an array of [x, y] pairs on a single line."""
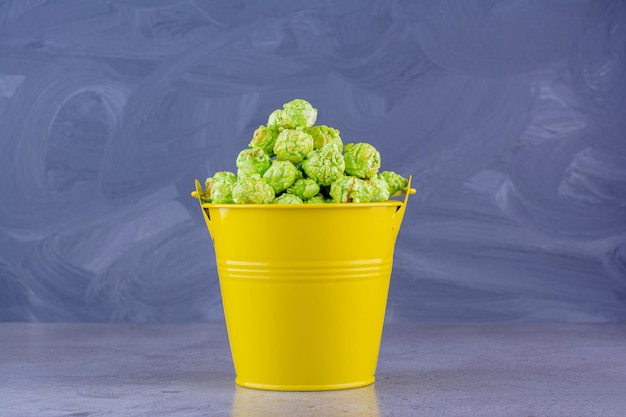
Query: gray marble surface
{"points": [[55, 370]]}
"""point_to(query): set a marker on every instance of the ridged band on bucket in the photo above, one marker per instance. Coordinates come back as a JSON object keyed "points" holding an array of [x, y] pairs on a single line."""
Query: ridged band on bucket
{"points": [[338, 270]]}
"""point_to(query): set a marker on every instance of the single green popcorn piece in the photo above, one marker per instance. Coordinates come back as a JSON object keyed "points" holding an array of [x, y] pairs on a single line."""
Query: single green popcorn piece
{"points": [[287, 198], [304, 188], [252, 190], [253, 161], [211, 183], [275, 120], [323, 134], [317, 199], [394, 181], [222, 176], [380, 189], [223, 193], [349, 189], [362, 160], [325, 165], [281, 174], [264, 137], [293, 145], [298, 113], [221, 186]]}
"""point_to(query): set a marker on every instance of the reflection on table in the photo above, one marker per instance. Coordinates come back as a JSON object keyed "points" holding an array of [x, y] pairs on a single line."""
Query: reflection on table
{"points": [[356, 402]]}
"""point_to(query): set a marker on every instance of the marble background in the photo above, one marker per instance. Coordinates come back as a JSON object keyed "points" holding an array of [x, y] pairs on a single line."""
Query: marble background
{"points": [[510, 115]]}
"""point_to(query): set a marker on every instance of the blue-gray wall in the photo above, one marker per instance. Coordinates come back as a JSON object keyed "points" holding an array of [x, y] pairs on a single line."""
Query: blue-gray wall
{"points": [[511, 116]]}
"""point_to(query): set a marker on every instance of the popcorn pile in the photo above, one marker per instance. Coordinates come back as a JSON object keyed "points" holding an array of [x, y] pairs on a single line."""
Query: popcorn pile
{"points": [[293, 161]]}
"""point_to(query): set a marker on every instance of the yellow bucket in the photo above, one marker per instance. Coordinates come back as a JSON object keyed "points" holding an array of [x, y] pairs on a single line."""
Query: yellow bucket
{"points": [[304, 289]]}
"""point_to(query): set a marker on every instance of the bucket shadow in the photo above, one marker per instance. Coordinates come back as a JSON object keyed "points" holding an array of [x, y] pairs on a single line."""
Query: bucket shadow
{"points": [[356, 402]]}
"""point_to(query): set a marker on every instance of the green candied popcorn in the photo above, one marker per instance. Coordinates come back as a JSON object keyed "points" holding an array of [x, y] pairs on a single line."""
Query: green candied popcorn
{"points": [[275, 120], [264, 137], [293, 145], [380, 189], [224, 176], [325, 165], [317, 199], [298, 113], [362, 160], [252, 161], [252, 190], [222, 187], [304, 188], [281, 174], [323, 134], [394, 181], [287, 199], [348, 189], [221, 176]]}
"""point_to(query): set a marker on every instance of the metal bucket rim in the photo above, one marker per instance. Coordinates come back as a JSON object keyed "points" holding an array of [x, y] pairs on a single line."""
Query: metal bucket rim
{"points": [[270, 206]]}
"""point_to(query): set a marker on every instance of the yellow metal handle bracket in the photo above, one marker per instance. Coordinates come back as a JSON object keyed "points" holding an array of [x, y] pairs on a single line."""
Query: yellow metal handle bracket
{"points": [[207, 219], [397, 218]]}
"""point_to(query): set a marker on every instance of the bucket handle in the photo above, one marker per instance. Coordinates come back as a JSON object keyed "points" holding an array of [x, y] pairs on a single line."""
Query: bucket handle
{"points": [[399, 214], [205, 213]]}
